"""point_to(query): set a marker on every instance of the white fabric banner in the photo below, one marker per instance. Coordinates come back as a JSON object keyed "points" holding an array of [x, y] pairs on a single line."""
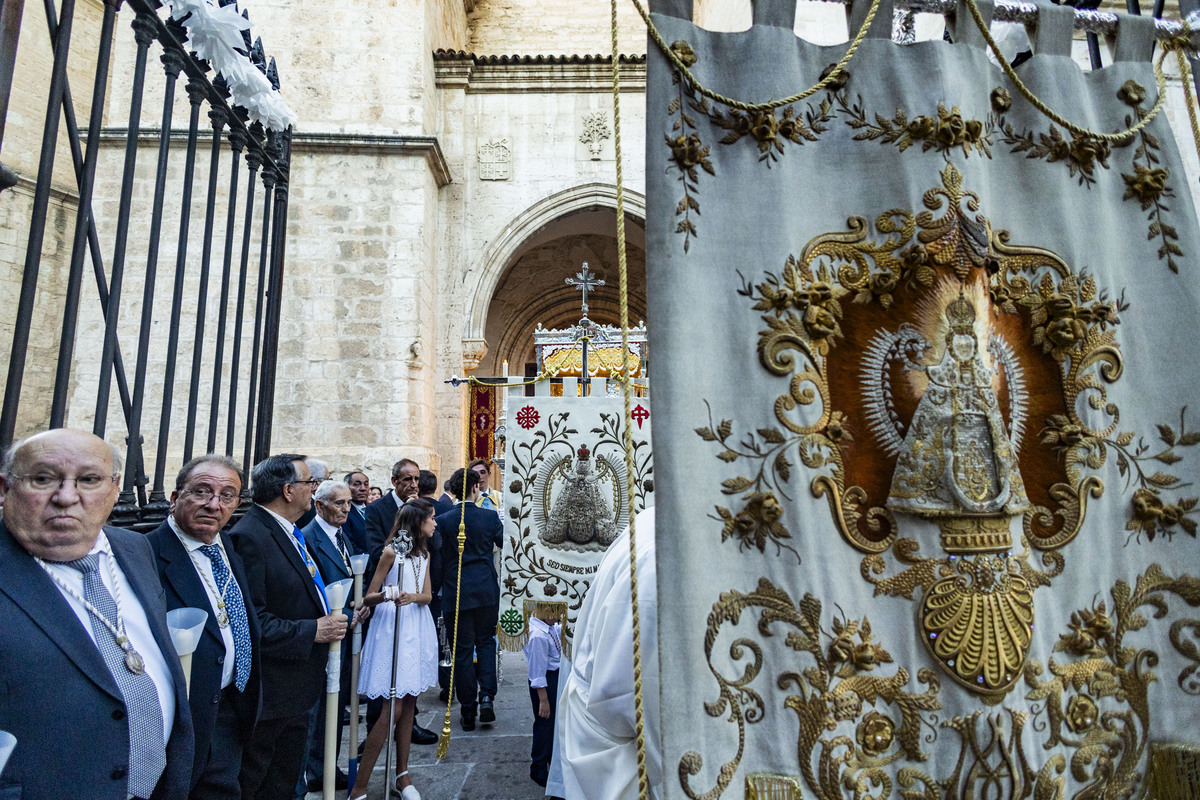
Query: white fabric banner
{"points": [[565, 501], [926, 522]]}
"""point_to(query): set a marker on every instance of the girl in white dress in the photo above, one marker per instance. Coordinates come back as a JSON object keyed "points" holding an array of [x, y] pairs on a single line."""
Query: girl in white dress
{"points": [[403, 582]]}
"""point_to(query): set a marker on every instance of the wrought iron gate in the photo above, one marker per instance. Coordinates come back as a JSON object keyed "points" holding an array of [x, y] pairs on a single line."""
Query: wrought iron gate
{"points": [[249, 281]]}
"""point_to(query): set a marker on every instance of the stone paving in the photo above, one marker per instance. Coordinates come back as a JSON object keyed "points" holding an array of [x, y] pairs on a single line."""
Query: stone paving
{"points": [[488, 763]]}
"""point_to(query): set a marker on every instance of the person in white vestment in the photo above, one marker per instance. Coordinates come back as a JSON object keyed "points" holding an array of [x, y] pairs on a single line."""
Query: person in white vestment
{"points": [[595, 730]]}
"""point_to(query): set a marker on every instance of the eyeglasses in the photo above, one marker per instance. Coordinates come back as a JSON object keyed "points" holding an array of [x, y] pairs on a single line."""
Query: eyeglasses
{"points": [[310, 482], [205, 496], [49, 482]]}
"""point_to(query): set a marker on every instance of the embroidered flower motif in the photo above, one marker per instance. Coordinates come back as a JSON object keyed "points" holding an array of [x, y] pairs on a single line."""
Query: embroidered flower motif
{"points": [[1146, 184], [855, 656], [757, 523], [763, 128], [1090, 630], [1081, 713], [1060, 433], [836, 429], [875, 733], [1132, 93], [951, 129], [515, 487], [684, 52], [1086, 152], [1001, 99], [688, 152], [527, 417], [839, 81]]}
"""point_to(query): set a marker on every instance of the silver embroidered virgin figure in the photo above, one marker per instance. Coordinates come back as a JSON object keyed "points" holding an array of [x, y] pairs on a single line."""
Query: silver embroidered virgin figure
{"points": [[581, 517], [958, 458]]}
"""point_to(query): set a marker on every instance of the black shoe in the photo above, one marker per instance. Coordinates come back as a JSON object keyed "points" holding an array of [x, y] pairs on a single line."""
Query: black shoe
{"points": [[423, 735], [487, 712], [444, 695], [342, 781], [468, 720]]}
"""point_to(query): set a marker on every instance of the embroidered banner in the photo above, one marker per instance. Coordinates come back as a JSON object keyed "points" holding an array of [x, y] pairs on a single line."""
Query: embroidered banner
{"points": [[482, 436], [565, 501], [928, 519]]}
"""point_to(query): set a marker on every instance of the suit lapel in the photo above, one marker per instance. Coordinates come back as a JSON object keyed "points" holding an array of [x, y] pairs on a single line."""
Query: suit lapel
{"points": [[31, 588], [288, 546], [319, 541], [180, 572]]}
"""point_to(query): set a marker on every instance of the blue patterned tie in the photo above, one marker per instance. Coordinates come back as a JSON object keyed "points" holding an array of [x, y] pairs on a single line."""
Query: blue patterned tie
{"points": [[147, 749], [316, 573], [235, 608]]}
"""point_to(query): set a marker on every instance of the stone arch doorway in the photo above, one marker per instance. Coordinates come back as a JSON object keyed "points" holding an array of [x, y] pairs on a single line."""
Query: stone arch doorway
{"points": [[530, 288]]}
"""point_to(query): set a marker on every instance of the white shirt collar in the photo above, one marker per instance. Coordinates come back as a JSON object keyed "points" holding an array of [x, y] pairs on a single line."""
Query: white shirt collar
{"points": [[288, 527], [190, 542], [330, 530]]}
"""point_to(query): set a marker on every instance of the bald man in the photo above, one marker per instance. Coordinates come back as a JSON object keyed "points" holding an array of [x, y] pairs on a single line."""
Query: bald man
{"points": [[96, 696]]}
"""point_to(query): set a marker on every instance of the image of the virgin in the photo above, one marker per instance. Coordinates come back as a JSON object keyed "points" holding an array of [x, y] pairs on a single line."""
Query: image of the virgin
{"points": [[957, 459]]}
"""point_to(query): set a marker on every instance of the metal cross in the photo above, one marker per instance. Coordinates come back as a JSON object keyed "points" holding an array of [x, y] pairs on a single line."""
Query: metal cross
{"points": [[585, 281]]}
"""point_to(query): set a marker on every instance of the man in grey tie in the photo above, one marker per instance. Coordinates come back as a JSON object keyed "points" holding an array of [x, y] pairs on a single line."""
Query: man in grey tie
{"points": [[199, 569], [96, 696]]}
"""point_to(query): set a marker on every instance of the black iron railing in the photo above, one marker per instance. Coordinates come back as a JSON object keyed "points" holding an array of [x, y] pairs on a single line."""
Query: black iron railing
{"points": [[246, 147]]}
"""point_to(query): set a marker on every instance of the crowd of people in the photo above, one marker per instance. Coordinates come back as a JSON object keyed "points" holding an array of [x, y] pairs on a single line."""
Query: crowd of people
{"points": [[95, 693]]}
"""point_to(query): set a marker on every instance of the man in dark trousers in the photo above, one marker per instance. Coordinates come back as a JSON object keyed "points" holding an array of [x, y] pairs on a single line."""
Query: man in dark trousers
{"points": [[331, 548], [93, 690], [289, 596], [478, 598], [199, 569]]}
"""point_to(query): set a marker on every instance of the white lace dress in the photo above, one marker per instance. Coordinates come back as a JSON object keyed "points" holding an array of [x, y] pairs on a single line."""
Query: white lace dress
{"points": [[416, 660]]}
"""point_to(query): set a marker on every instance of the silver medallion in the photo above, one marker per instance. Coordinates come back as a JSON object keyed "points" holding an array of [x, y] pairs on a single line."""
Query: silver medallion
{"points": [[134, 662], [222, 618]]}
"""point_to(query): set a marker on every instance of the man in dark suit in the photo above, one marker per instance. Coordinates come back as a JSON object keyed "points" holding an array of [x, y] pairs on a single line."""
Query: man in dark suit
{"points": [[319, 471], [199, 569], [95, 713], [356, 522], [427, 489], [381, 515], [297, 626], [478, 598], [329, 546]]}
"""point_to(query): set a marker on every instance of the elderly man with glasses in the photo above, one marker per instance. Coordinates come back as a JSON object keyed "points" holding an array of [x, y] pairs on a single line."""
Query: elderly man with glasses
{"points": [[199, 569], [93, 689], [288, 593]]}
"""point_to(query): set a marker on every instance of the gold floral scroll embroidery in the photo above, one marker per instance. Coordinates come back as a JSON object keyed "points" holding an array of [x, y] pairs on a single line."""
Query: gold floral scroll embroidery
{"points": [[919, 363], [860, 726]]}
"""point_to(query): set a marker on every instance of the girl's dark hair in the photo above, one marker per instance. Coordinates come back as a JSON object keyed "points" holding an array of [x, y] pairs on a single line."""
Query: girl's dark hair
{"points": [[409, 518]]}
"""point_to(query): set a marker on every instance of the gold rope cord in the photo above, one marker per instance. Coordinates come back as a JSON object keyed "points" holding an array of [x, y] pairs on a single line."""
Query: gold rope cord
{"points": [[833, 75], [1177, 44], [444, 741], [627, 396], [1185, 74]]}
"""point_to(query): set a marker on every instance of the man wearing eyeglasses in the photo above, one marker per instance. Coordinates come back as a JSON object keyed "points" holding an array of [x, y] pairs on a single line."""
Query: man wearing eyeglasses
{"points": [[94, 692], [199, 568], [288, 593]]}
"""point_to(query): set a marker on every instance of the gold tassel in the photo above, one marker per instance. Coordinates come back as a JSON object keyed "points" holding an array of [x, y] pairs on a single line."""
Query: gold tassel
{"points": [[1173, 772]]}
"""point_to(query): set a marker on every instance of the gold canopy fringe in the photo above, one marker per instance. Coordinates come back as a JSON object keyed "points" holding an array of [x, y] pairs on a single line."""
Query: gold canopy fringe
{"points": [[517, 641]]}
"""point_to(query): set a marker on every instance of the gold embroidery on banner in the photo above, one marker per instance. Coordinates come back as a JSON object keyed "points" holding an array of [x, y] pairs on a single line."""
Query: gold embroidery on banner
{"points": [[1148, 182], [926, 415], [1174, 771], [688, 151], [859, 732], [945, 132]]}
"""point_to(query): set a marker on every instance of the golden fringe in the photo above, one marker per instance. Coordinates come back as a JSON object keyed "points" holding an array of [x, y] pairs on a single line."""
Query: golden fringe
{"points": [[1174, 772], [513, 642]]}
